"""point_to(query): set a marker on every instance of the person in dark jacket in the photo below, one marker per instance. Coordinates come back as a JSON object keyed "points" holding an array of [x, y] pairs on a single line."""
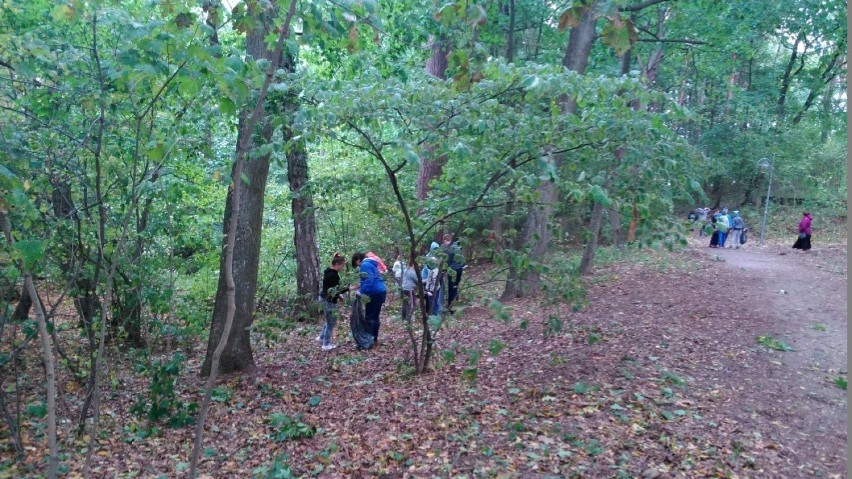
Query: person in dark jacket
{"points": [[714, 238], [330, 297], [455, 265], [373, 286]]}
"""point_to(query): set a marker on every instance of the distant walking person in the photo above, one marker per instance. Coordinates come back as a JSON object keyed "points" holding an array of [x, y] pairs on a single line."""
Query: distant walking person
{"points": [[804, 241], [736, 231], [714, 237], [373, 286], [702, 220], [723, 224], [330, 296]]}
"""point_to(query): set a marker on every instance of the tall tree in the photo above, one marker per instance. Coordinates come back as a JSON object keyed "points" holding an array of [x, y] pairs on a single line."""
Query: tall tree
{"points": [[237, 354], [302, 204]]}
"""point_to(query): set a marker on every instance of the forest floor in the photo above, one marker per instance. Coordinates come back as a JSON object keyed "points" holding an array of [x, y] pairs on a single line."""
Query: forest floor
{"points": [[697, 363]]}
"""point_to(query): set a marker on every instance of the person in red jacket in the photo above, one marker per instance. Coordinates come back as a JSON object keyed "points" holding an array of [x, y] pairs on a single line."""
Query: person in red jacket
{"points": [[804, 240]]}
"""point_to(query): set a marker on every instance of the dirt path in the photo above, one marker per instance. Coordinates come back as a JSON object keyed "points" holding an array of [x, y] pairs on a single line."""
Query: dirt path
{"points": [[800, 299]]}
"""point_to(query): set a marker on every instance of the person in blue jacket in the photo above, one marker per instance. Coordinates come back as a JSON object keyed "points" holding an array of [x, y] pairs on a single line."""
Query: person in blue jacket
{"points": [[373, 286]]}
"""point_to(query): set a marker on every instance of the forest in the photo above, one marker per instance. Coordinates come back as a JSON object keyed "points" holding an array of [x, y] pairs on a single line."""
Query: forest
{"points": [[177, 175]]}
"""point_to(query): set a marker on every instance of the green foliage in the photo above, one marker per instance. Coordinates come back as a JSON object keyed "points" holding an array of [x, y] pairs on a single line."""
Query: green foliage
{"points": [[162, 402], [277, 469], [840, 381], [286, 428], [772, 343]]}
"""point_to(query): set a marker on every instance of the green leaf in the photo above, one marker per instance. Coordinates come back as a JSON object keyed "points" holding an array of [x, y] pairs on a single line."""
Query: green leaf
{"points": [[619, 35], [495, 346], [470, 374], [314, 401], [235, 63], [581, 388], [38, 410], [530, 82], [156, 153], [227, 106], [599, 195], [7, 173], [189, 86], [435, 322], [29, 251]]}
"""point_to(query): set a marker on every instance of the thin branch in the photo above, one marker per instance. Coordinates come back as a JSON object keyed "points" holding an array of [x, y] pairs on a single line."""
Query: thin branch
{"points": [[242, 148], [360, 19], [641, 5], [672, 40]]}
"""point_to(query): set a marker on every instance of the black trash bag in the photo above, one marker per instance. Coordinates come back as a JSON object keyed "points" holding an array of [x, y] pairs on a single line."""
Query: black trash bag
{"points": [[358, 325], [744, 236]]}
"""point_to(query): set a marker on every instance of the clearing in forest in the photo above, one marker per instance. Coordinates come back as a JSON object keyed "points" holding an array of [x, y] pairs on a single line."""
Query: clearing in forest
{"points": [[697, 363]]}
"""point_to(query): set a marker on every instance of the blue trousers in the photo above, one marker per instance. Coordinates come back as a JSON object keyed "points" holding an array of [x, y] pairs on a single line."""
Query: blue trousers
{"points": [[331, 313]]}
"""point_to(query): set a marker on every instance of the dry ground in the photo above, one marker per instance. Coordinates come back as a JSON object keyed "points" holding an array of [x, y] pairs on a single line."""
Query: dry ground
{"points": [[661, 375]]}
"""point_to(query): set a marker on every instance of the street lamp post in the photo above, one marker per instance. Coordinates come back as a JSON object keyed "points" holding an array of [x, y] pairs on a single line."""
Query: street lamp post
{"points": [[766, 163]]}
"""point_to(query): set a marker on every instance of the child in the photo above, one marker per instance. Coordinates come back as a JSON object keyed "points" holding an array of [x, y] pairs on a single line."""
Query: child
{"points": [[330, 296], [432, 281], [409, 287]]}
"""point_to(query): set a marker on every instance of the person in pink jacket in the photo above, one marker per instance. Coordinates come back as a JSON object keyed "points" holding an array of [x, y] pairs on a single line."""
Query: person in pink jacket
{"points": [[803, 242]]}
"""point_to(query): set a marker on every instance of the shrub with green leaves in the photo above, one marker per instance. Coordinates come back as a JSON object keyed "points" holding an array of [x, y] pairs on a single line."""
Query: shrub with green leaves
{"points": [[285, 428], [162, 402], [769, 342]]}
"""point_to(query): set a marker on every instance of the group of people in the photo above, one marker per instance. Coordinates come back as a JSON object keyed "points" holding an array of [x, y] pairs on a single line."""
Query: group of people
{"points": [[443, 265], [729, 229], [723, 228]]}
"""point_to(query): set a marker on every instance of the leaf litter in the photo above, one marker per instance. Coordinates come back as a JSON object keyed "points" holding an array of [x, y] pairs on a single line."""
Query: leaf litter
{"points": [[659, 376]]}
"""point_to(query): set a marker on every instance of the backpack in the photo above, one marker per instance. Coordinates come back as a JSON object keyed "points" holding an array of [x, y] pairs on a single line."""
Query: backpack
{"points": [[738, 223]]}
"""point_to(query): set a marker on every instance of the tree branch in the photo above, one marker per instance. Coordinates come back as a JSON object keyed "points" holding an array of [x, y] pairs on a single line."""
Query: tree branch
{"points": [[641, 5]]}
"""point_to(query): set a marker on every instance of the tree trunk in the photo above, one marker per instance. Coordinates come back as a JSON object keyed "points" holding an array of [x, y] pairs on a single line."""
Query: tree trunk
{"points": [[718, 199], [432, 167], [237, 355], [22, 309], [580, 42], [47, 355], [510, 37], [304, 219], [595, 230], [615, 224], [513, 287], [825, 78], [634, 223], [825, 124], [786, 78], [536, 227]]}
